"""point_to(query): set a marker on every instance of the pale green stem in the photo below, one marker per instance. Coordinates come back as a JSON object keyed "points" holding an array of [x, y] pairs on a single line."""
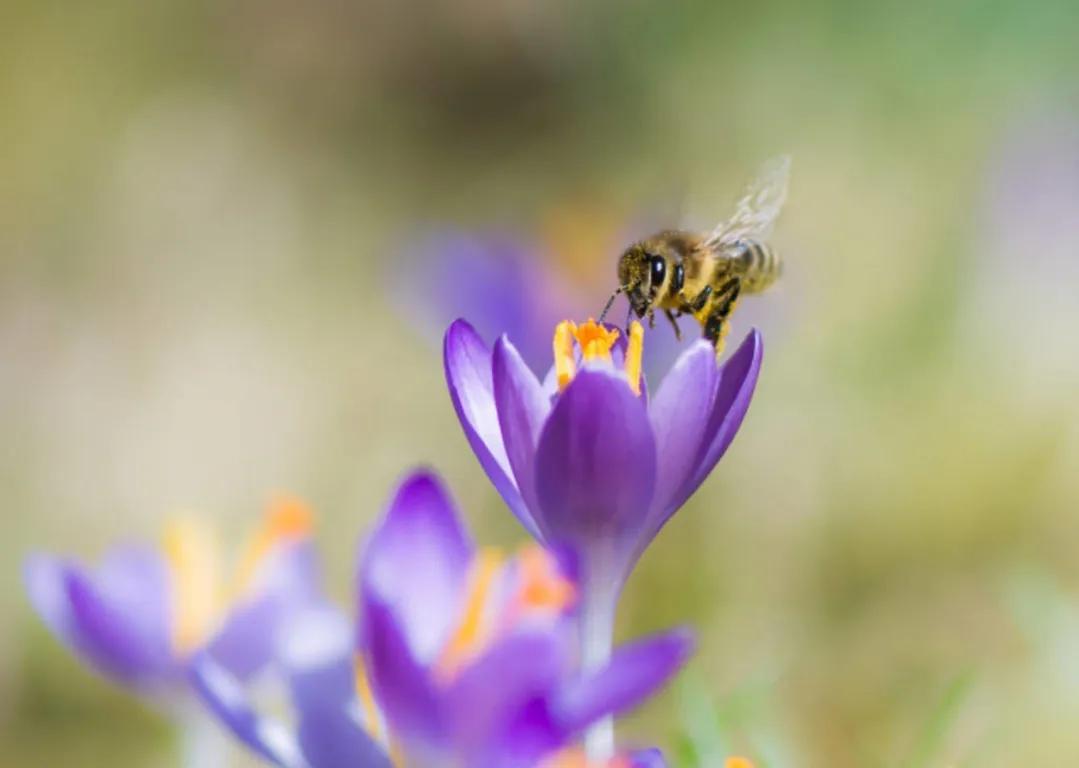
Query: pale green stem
{"points": [[597, 641], [202, 742]]}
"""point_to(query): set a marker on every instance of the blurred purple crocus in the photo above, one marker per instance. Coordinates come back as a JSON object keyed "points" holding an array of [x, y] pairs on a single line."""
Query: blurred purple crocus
{"points": [[466, 659], [586, 458], [505, 284], [143, 612]]}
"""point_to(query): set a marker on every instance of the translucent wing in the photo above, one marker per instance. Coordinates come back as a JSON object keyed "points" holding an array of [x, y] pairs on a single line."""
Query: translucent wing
{"points": [[759, 206]]}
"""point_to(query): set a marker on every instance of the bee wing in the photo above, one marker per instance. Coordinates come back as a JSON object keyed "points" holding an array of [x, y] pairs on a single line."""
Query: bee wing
{"points": [[758, 207]]}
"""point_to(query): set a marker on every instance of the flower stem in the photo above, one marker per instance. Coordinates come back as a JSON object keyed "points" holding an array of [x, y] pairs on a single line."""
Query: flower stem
{"points": [[202, 743], [597, 641]]}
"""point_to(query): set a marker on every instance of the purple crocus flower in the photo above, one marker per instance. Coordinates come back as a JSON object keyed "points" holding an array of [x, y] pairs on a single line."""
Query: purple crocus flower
{"points": [[466, 659], [586, 458], [140, 615]]}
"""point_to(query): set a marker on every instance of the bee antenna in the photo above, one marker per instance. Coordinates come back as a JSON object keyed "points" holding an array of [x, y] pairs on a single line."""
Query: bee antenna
{"points": [[610, 301]]}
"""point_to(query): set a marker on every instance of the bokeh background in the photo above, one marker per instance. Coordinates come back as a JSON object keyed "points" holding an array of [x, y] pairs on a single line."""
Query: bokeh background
{"points": [[219, 277]]}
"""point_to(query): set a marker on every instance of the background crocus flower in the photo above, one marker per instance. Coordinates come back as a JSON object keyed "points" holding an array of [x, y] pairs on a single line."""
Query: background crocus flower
{"points": [[587, 458], [331, 719], [465, 658], [473, 664], [507, 284], [138, 617], [520, 286]]}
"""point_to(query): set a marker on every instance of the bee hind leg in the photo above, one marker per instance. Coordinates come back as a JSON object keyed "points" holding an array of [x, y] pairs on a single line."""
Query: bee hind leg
{"points": [[698, 303], [717, 325], [674, 324]]}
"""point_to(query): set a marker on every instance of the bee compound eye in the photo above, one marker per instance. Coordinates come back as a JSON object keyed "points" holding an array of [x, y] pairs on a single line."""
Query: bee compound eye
{"points": [[658, 270]]}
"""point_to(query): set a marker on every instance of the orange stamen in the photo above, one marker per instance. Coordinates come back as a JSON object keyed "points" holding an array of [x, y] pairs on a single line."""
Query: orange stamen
{"points": [[595, 340], [287, 520], [738, 762], [472, 631], [576, 758], [542, 587]]}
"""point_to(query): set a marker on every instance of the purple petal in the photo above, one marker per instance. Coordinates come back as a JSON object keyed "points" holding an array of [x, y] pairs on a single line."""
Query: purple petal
{"points": [[316, 652], [417, 561], [247, 641], [227, 700], [522, 409], [116, 618], [468, 368], [737, 380], [492, 705], [634, 673], [402, 686], [45, 577], [647, 758], [679, 413], [596, 464], [332, 738]]}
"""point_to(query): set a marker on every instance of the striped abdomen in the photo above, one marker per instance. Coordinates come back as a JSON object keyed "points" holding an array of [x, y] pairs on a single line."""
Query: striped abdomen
{"points": [[759, 262]]}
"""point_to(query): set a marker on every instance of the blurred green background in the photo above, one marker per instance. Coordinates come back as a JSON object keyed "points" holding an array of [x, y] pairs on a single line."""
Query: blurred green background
{"points": [[201, 205]]}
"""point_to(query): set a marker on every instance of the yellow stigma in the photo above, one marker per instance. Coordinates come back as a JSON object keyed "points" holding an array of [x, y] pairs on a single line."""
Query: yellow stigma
{"points": [[595, 342], [194, 569], [634, 351]]}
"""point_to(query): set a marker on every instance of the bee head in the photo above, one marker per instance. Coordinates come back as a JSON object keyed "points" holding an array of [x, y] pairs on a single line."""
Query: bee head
{"points": [[641, 273]]}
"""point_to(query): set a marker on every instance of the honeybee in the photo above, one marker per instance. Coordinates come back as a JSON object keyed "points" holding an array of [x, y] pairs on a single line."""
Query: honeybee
{"points": [[704, 274]]}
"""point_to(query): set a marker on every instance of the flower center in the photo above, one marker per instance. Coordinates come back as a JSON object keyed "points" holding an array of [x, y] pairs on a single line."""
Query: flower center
{"points": [[199, 593], [595, 342], [500, 597]]}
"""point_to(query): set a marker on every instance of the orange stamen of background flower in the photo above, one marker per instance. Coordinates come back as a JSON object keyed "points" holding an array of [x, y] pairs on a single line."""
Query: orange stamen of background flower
{"points": [[287, 520], [472, 631], [192, 553], [197, 583], [575, 758], [738, 762], [542, 586]]}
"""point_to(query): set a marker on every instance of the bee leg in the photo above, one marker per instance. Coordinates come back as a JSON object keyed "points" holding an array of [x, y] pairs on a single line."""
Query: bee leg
{"points": [[695, 306], [674, 324], [651, 319], [717, 325]]}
